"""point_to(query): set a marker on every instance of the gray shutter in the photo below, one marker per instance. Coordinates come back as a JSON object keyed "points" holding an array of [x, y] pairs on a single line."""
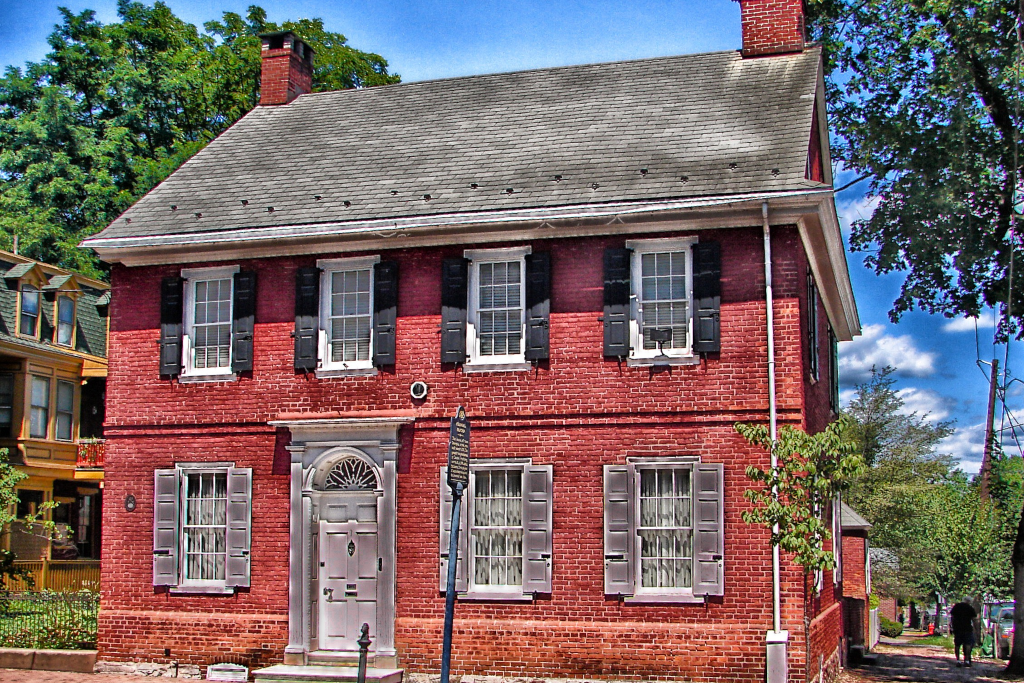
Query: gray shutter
{"points": [[709, 540], [617, 263], [165, 527], [454, 304], [171, 325], [537, 529], [239, 534], [385, 312], [619, 531], [538, 306], [707, 296], [243, 321], [461, 580], [307, 318]]}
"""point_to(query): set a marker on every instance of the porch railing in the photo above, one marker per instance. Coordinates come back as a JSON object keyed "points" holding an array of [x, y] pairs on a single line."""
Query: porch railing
{"points": [[90, 453], [57, 575]]}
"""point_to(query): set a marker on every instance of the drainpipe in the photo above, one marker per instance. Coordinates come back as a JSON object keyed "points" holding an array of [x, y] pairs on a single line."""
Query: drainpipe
{"points": [[777, 639]]}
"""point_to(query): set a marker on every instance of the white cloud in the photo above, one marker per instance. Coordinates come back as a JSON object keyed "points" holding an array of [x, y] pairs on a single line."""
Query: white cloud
{"points": [[967, 444], [930, 405], [858, 209], [967, 324], [875, 348]]}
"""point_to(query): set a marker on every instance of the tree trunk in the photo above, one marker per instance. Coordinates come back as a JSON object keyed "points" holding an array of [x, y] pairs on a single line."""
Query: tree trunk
{"points": [[1016, 664], [938, 603]]}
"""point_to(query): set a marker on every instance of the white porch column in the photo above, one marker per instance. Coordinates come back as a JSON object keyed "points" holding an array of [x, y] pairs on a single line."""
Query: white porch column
{"points": [[295, 652]]}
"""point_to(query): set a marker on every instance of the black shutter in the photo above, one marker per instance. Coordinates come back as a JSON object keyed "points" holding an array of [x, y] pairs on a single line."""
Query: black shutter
{"points": [[243, 321], [171, 310], [454, 292], [385, 312], [616, 301], [538, 306], [307, 317], [707, 295]]}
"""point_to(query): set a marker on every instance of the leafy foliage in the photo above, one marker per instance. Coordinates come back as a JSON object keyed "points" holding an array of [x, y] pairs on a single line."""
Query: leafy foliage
{"points": [[114, 109], [888, 627], [791, 497], [9, 479], [924, 102]]}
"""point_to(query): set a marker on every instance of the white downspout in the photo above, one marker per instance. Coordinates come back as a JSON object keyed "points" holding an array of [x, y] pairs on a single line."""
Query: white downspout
{"points": [[777, 639]]}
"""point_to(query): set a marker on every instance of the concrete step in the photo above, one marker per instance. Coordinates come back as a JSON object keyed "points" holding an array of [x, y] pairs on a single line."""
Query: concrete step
{"points": [[338, 658], [283, 673]]}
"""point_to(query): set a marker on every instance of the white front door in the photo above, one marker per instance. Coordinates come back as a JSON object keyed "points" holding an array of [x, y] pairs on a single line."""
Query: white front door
{"points": [[348, 583]]}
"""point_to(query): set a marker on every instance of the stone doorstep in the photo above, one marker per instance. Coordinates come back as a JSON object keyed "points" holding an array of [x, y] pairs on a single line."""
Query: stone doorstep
{"points": [[284, 673], [79, 661]]}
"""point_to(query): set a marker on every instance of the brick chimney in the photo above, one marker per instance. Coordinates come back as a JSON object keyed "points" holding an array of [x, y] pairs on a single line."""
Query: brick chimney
{"points": [[287, 68], [772, 27]]}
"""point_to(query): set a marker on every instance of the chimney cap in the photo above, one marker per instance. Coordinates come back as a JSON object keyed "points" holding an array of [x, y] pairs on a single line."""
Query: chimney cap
{"points": [[266, 37]]}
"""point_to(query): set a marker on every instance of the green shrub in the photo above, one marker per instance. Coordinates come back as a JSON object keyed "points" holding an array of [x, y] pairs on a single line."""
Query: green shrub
{"points": [[873, 601], [889, 628]]}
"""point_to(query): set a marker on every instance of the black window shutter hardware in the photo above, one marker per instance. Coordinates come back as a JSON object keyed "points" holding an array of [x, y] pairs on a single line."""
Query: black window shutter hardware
{"points": [[454, 296], [243, 321], [171, 314], [538, 306], [707, 295], [307, 317], [616, 301], [385, 312]]}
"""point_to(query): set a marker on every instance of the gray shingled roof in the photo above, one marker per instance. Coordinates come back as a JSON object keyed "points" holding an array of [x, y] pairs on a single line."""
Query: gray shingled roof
{"points": [[850, 520], [725, 124]]}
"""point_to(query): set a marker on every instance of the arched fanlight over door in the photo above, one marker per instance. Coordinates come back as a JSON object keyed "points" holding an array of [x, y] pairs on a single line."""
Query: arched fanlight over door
{"points": [[351, 474]]}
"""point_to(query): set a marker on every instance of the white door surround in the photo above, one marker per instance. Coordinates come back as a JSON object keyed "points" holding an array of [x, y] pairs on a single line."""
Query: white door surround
{"points": [[321, 510]]}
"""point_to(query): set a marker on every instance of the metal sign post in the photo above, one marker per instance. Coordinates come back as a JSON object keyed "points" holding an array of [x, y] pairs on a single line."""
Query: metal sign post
{"points": [[458, 480]]}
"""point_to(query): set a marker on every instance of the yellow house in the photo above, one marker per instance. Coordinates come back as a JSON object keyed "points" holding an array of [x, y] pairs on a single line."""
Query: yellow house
{"points": [[53, 369]]}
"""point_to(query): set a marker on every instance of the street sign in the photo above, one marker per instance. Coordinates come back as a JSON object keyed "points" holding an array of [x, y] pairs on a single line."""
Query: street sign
{"points": [[458, 450], [458, 480]]}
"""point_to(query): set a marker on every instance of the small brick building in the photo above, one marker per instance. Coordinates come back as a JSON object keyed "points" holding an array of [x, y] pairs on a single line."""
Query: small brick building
{"points": [[575, 255]]}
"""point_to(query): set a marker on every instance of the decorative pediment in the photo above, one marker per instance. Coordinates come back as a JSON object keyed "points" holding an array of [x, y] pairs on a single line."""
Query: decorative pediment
{"points": [[65, 285], [30, 273]]}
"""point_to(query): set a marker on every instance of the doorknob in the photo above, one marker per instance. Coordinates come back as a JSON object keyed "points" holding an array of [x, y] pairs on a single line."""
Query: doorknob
{"points": [[329, 592]]}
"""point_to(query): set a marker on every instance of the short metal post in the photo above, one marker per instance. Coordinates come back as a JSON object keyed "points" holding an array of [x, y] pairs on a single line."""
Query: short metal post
{"points": [[449, 598], [364, 647]]}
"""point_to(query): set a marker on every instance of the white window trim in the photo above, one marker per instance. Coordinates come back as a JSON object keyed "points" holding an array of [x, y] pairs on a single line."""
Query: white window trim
{"points": [[638, 355], [661, 595], [326, 368], [474, 361], [190, 275], [486, 592], [216, 586]]}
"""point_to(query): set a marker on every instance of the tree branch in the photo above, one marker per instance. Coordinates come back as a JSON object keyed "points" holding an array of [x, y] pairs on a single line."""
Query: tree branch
{"points": [[854, 182]]}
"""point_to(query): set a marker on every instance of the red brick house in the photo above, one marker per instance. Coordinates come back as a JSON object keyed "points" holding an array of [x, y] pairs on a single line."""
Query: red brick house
{"points": [[578, 256], [856, 566]]}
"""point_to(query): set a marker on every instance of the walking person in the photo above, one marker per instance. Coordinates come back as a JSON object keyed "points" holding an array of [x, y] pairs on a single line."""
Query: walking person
{"points": [[961, 619]]}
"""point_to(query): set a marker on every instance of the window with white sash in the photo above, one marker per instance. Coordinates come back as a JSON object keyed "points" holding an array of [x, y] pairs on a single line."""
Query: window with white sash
{"points": [[208, 297], [504, 531], [201, 527], [661, 321], [497, 296], [346, 313], [663, 531]]}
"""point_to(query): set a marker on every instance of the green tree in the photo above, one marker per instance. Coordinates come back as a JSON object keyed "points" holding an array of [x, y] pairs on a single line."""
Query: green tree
{"points": [[113, 109], [924, 102], [10, 477]]}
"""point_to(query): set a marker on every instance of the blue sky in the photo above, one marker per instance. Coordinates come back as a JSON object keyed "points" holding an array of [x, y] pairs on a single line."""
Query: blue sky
{"points": [[937, 358]]}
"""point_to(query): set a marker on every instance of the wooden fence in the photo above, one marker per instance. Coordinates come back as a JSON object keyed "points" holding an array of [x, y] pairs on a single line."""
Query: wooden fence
{"points": [[58, 575]]}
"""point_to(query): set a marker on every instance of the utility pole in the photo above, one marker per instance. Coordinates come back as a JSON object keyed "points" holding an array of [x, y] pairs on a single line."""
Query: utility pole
{"points": [[986, 459]]}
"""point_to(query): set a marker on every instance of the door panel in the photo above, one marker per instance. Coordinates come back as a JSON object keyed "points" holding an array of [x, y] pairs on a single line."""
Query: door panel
{"points": [[348, 583]]}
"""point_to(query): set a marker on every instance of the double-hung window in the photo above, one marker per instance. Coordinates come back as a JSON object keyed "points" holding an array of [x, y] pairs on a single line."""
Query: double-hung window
{"points": [[65, 320], [208, 299], [6, 404], [28, 322], [39, 410], [813, 339], [65, 410], [497, 294], [346, 314], [664, 531], [201, 527], [504, 531], [661, 324], [207, 323]]}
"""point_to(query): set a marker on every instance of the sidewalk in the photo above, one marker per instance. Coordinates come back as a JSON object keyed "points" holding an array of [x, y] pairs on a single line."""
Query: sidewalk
{"points": [[903, 659], [33, 676]]}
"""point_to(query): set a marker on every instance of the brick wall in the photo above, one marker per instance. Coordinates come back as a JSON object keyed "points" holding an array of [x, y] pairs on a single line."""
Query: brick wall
{"points": [[576, 412], [772, 26]]}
